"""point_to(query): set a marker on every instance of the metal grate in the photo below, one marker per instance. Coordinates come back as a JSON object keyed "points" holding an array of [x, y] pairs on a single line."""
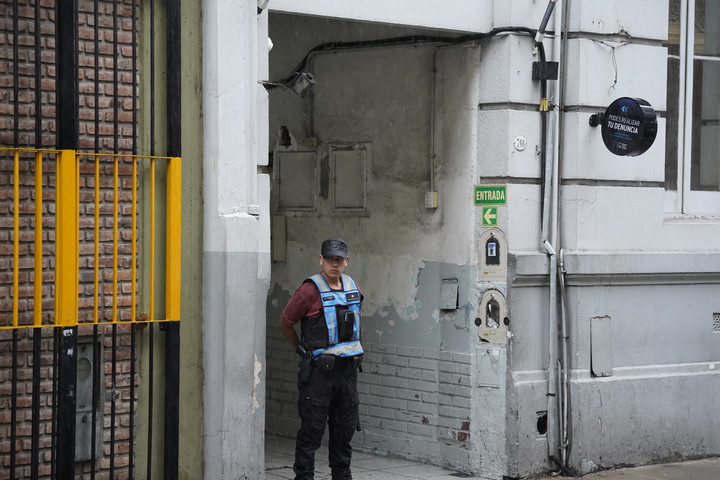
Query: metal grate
{"points": [[70, 70], [716, 322]]}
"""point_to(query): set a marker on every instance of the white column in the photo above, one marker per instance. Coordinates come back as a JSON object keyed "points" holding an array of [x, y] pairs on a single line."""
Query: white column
{"points": [[235, 239]]}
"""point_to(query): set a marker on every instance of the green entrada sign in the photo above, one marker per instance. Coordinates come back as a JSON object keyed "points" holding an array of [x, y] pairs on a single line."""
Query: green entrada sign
{"points": [[490, 195]]}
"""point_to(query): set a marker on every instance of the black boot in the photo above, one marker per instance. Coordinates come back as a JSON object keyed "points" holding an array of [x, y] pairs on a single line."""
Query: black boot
{"points": [[303, 473], [341, 474]]}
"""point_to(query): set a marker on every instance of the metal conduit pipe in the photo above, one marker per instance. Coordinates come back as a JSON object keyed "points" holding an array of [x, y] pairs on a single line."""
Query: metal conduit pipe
{"points": [[431, 154], [556, 369], [561, 22], [548, 238], [565, 438], [546, 19], [552, 397], [560, 51]]}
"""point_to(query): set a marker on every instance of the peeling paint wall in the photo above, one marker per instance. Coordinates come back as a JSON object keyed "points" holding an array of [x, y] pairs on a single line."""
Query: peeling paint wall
{"points": [[416, 389], [389, 107]]}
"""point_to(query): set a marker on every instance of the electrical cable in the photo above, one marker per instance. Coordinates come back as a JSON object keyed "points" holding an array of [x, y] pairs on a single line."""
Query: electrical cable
{"points": [[397, 41]]}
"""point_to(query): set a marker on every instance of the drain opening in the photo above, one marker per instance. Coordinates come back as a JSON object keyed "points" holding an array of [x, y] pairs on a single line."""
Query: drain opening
{"points": [[541, 423]]}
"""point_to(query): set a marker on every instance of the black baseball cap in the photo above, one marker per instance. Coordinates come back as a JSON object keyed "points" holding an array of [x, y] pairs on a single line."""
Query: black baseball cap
{"points": [[334, 247]]}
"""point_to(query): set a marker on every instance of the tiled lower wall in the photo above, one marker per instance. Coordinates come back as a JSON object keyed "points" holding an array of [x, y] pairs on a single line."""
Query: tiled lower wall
{"points": [[414, 402]]}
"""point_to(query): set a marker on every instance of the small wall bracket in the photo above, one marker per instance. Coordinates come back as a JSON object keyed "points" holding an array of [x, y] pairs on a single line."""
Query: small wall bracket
{"points": [[596, 119]]}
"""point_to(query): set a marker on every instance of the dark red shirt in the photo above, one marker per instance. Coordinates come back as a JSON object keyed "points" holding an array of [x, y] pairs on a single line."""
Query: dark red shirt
{"points": [[305, 302]]}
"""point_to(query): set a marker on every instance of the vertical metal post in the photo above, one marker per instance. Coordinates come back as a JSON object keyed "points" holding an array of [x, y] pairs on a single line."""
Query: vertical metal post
{"points": [[65, 454], [116, 239], [151, 399], [172, 337], [13, 404], [151, 327], [16, 115], [35, 448], [55, 403], [66, 295], [67, 138], [172, 399], [37, 301], [131, 469], [112, 400], [66, 67], [97, 375]]}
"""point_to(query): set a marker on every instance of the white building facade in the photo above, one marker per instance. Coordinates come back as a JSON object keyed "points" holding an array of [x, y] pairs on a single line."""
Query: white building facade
{"points": [[533, 301]]}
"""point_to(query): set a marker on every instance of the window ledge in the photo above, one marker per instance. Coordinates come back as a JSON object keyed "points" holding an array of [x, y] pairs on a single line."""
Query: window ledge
{"points": [[692, 219]]}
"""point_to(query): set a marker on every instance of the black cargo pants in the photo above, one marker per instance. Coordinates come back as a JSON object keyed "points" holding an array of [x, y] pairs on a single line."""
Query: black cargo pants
{"points": [[328, 396]]}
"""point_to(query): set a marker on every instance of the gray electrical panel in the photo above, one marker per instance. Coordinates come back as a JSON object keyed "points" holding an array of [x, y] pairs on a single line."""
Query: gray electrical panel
{"points": [[87, 401]]}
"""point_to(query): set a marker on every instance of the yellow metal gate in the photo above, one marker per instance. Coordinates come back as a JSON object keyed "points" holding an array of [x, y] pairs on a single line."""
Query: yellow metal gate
{"points": [[66, 176]]}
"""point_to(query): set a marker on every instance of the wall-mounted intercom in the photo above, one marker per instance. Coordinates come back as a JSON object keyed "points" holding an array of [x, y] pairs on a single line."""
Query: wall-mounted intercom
{"points": [[492, 318], [492, 253]]}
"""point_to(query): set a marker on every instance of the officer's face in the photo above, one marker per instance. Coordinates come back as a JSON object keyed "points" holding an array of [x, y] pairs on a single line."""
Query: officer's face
{"points": [[333, 267]]}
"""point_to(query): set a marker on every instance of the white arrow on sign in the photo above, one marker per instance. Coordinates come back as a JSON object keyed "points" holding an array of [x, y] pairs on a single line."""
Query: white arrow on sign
{"points": [[490, 216]]}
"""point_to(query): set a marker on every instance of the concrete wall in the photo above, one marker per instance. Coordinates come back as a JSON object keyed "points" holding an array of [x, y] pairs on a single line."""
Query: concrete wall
{"points": [[649, 274], [430, 390], [464, 15], [236, 241], [414, 391]]}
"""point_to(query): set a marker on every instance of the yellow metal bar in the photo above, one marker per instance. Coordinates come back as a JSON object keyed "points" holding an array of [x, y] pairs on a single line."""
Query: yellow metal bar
{"points": [[16, 238], [66, 239], [77, 238], [133, 244], [96, 273], [37, 313], [115, 241], [173, 246], [152, 240], [31, 150]]}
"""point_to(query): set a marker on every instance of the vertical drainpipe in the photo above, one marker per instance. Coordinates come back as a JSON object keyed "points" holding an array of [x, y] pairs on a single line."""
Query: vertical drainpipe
{"points": [[555, 405], [558, 364], [560, 47]]}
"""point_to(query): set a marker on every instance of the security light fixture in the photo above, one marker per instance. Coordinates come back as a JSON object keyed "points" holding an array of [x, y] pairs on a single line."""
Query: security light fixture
{"points": [[298, 82]]}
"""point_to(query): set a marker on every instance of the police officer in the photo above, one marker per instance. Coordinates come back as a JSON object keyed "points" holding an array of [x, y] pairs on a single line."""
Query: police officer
{"points": [[327, 307]]}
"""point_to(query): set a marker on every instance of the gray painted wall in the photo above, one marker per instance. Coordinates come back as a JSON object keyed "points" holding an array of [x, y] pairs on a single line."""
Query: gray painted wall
{"points": [[236, 240]]}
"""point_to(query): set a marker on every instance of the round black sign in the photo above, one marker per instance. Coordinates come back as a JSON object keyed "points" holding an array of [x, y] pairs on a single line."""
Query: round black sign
{"points": [[629, 126]]}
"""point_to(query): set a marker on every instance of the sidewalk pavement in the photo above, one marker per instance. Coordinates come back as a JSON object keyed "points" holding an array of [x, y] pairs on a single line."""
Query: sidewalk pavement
{"points": [[279, 457]]}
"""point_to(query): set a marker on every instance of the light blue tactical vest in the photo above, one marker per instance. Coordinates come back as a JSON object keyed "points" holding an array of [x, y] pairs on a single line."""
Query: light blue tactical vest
{"points": [[343, 335]]}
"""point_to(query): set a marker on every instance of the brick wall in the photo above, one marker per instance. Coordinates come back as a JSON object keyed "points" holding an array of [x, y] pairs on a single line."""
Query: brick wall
{"points": [[105, 124], [416, 401], [413, 401]]}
